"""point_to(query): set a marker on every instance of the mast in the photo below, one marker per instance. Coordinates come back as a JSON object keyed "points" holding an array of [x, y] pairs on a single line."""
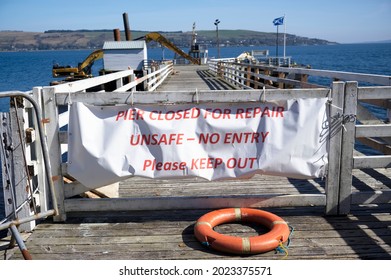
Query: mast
{"points": [[194, 37]]}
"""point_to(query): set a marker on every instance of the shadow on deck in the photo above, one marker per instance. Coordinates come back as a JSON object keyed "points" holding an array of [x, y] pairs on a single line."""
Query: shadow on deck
{"points": [[169, 234], [213, 82]]}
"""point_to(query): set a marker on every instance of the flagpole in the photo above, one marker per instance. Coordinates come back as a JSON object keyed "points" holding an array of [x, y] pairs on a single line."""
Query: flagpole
{"points": [[277, 22], [284, 35], [277, 44]]}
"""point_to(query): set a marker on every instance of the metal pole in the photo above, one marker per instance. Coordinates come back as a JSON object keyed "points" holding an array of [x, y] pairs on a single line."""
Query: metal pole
{"points": [[128, 35], [284, 36], [19, 240], [217, 35], [27, 219], [218, 42], [117, 35], [277, 44]]}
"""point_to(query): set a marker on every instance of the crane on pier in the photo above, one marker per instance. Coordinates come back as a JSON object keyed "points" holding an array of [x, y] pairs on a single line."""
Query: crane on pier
{"points": [[157, 37]]}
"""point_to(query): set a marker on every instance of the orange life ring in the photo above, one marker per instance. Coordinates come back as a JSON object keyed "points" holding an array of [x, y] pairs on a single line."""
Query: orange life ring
{"points": [[279, 231]]}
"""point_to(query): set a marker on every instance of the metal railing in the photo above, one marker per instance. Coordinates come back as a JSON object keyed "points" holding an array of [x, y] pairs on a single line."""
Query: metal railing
{"points": [[13, 220]]}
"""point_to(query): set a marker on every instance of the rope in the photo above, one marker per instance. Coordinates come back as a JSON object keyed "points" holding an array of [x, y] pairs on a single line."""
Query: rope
{"points": [[282, 248], [342, 118]]}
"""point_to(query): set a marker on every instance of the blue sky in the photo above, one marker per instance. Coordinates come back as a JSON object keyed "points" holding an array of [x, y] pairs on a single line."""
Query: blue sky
{"points": [[343, 21]]}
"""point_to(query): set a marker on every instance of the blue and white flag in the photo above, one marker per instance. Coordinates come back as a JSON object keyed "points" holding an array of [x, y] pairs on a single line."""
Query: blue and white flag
{"points": [[278, 21]]}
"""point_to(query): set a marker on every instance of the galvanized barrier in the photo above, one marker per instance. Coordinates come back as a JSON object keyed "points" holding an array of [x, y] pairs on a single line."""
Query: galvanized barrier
{"points": [[13, 219]]}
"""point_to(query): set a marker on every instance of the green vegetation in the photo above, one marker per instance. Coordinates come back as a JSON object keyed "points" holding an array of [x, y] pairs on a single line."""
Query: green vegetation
{"points": [[94, 39]]}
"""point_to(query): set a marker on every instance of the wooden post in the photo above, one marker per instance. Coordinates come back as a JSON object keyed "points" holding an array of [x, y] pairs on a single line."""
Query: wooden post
{"points": [[348, 140], [41, 181], [256, 79], [248, 76], [267, 72], [304, 78], [219, 69], [335, 139], [50, 121], [281, 75]]}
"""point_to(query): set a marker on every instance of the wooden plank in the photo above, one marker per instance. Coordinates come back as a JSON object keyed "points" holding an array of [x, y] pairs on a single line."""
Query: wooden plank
{"points": [[74, 188], [197, 190], [177, 97], [374, 92], [361, 162], [177, 242], [257, 185], [379, 130], [200, 202]]}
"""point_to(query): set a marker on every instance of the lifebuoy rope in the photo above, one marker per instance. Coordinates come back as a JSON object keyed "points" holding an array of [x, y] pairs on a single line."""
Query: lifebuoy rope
{"points": [[284, 248]]}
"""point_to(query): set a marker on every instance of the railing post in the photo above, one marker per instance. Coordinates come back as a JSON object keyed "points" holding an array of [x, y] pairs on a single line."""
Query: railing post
{"points": [[304, 78], [220, 69], [50, 121], [256, 79], [348, 140], [41, 180], [267, 72], [248, 76], [281, 75], [335, 140], [145, 83], [119, 83]]}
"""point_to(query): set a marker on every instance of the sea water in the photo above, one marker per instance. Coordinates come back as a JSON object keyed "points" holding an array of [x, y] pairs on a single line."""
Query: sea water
{"points": [[22, 71]]}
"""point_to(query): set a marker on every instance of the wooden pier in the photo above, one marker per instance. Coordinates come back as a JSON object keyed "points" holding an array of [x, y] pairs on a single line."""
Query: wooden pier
{"points": [[194, 77], [343, 217], [168, 234]]}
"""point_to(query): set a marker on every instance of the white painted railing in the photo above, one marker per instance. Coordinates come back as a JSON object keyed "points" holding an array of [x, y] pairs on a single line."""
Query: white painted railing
{"points": [[56, 117], [338, 184], [257, 76]]}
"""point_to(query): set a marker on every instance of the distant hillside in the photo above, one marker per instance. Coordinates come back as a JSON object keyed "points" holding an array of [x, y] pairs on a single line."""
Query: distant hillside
{"points": [[93, 39], [380, 42]]}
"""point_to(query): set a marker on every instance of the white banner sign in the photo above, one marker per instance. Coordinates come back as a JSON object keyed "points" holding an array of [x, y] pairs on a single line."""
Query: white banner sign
{"points": [[213, 141]]}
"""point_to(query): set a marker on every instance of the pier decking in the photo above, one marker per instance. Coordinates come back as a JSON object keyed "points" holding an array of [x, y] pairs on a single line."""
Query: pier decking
{"points": [[364, 233], [192, 77]]}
